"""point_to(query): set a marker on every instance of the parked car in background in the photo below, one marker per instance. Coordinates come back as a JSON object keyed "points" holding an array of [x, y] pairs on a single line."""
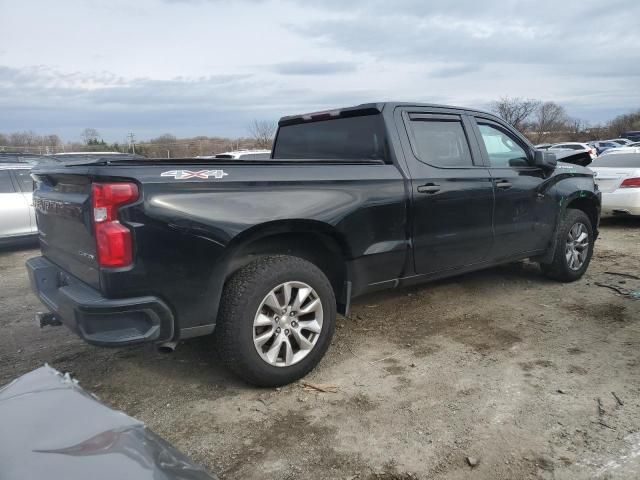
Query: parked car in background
{"points": [[602, 145], [17, 217], [575, 146], [633, 135], [543, 146], [621, 141], [241, 155], [618, 178], [619, 150]]}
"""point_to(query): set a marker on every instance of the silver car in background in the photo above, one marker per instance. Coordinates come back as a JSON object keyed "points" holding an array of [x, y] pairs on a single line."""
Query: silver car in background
{"points": [[17, 217]]}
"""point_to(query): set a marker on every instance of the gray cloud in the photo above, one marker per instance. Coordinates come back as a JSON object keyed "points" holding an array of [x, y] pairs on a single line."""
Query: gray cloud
{"points": [[42, 99], [210, 66], [495, 31], [454, 71], [313, 68]]}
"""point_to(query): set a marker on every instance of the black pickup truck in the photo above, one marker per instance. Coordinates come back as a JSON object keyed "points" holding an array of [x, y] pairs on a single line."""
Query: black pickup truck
{"points": [[264, 253]]}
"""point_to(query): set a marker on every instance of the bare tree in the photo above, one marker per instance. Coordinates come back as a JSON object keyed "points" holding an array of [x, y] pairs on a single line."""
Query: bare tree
{"points": [[515, 111], [90, 135], [52, 140], [549, 118], [262, 133], [624, 123], [575, 128], [24, 139]]}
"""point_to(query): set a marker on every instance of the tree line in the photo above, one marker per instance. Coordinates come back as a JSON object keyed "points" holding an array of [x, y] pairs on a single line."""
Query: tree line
{"points": [[541, 121], [260, 135], [548, 122]]}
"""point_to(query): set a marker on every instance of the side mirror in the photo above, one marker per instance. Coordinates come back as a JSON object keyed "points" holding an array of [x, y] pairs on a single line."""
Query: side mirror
{"points": [[544, 160]]}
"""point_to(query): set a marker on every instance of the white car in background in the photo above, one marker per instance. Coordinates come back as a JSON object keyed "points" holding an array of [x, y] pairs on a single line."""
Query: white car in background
{"points": [[17, 217], [618, 178], [580, 147], [621, 141], [241, 155], [615, 151]]}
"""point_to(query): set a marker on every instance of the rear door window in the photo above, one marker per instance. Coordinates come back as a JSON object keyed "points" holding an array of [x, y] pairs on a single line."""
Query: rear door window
{"points": [[502, 149], [6, 186], [441, 143]]}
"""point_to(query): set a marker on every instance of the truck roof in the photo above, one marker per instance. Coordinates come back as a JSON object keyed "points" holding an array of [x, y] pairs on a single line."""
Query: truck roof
{"points": [[365, 109]]}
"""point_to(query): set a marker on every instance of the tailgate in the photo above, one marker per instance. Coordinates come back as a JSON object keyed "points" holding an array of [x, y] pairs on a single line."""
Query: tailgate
{"points": [[63, 212]]}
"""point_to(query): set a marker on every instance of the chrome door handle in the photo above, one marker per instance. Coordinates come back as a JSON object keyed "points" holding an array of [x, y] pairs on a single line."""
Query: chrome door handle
{"points": [[429, 188], [503, 184]]}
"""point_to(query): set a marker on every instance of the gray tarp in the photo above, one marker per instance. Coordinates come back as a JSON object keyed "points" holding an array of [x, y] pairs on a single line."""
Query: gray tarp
{"points": [[50, 428]]}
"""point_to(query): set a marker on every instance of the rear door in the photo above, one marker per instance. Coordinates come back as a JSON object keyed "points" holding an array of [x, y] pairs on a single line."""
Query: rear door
{"points": [[14, 208], [452, 191], [524, 213]]}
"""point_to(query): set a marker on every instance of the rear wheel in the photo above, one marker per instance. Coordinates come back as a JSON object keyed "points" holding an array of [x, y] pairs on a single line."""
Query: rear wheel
{"points": [[277, 317], [574, 248]]}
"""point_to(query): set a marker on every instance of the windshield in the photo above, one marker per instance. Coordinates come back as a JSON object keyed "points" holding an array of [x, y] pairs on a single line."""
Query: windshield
{"points": [[621, 160]]}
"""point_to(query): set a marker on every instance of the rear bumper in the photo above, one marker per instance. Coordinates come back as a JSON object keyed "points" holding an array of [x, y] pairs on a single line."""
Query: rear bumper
{"points": [[96, 319]]}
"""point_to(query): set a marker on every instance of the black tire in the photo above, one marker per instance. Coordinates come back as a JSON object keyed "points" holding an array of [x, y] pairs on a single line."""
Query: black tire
{"points": [[559, 268], [243, 295]]}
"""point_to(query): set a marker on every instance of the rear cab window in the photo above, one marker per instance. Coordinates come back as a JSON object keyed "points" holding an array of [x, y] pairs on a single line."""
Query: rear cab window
{"points": [[351, 138]]}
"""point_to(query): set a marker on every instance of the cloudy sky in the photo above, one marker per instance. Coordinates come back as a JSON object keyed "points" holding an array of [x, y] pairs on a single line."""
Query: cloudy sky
{"points": [[208, 67]]}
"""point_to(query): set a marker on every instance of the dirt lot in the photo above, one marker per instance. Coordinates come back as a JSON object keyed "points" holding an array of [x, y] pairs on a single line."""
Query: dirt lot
{"points": [[502, 365]]}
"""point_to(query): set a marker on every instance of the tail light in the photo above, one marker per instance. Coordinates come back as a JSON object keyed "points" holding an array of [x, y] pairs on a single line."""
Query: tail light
{"points": [[113, 240], [631, 183]]}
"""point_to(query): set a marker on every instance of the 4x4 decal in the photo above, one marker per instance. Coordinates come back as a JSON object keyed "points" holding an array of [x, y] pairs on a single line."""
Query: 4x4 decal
{"points": [[186, 174]]}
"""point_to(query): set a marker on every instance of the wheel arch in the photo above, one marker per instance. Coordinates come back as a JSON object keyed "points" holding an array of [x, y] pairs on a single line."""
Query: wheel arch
{"points": [[589, 204], [315, 241], [583, 200]]}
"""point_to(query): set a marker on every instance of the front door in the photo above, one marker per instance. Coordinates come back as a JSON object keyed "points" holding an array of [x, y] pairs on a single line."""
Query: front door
{"points": [[452, 193], [524, 212]]}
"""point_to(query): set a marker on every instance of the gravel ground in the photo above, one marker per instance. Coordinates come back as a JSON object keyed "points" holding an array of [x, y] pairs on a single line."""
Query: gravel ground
{"points": [[503, 366]]}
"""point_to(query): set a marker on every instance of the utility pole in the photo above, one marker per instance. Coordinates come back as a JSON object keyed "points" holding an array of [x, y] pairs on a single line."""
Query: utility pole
{"points": [[132, 142]]}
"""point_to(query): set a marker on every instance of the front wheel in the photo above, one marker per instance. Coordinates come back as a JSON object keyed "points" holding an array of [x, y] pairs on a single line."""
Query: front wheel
{"points": [[574, 247], [277, 318]]}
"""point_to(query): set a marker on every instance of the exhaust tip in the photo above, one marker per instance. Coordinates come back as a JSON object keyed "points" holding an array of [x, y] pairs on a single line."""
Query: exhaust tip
{"points": [[167, 347], [47, 318]]}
